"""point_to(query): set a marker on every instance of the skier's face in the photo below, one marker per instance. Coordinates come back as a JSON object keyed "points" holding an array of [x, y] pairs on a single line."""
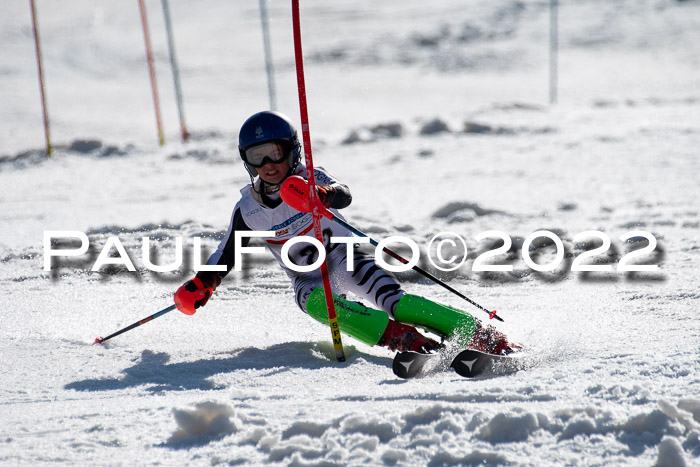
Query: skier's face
{"points": [[269, 161], [258, 155], [273, 172]]}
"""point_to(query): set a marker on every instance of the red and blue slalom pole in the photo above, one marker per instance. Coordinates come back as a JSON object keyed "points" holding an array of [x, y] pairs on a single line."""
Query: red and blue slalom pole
{"points": [[312, 196]]}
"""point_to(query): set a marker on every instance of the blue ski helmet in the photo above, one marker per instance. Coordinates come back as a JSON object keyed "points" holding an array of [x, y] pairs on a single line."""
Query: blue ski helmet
{"points": [[269, 127]]}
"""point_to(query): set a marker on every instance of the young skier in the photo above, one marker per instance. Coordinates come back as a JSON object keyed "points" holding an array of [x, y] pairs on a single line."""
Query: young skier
{"points": [[271, 152]]}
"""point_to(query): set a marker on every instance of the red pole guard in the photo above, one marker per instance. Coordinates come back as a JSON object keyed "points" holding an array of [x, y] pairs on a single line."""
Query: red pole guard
{"points": [[328, 292]]}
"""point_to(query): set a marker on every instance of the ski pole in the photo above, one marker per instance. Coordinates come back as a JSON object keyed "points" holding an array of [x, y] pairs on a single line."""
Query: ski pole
{"points": [[293, 193], [311, 196], [101, 340]]}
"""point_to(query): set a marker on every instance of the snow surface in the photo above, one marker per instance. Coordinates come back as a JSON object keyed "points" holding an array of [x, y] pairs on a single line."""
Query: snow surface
{"points": [[435, 115]]}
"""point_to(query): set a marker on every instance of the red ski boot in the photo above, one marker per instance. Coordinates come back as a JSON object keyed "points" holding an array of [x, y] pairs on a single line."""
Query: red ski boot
{"points": [[402, 337]]}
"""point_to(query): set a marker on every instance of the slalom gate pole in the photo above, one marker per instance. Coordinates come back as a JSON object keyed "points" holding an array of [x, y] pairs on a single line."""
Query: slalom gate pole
{"points": [[269, 68], [293, 193], [327, 290], [151, 71], [101, 340], [176, 71], [553, 50], [47, 136]]}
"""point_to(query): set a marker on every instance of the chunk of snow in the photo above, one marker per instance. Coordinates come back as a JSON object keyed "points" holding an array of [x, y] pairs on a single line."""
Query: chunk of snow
{"points": [[670, 454], [508, 428], [206, 422]]}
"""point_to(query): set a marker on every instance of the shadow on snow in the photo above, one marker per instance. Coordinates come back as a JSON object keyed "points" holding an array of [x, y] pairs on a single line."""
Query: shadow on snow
{"points": [[153, 367]]}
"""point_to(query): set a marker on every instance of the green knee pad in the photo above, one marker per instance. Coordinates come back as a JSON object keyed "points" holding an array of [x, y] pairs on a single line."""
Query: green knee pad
{"points": [[364, 324], [442, 319]]}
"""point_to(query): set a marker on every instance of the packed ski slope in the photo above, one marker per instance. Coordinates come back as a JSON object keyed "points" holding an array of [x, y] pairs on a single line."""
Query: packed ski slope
{"points": [[436, 118]]}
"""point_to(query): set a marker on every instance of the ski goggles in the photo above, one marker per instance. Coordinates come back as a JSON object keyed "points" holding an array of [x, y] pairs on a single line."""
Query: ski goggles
{"points": [[259, 155]]}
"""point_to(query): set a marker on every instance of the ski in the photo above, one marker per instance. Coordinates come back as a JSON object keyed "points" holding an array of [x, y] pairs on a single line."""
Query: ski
{"points": [[467, 363], [411, 364], [470, 363]]}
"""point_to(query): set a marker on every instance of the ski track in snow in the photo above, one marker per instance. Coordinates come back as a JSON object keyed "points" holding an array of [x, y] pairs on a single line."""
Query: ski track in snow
{"points": [[438, 106]]}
